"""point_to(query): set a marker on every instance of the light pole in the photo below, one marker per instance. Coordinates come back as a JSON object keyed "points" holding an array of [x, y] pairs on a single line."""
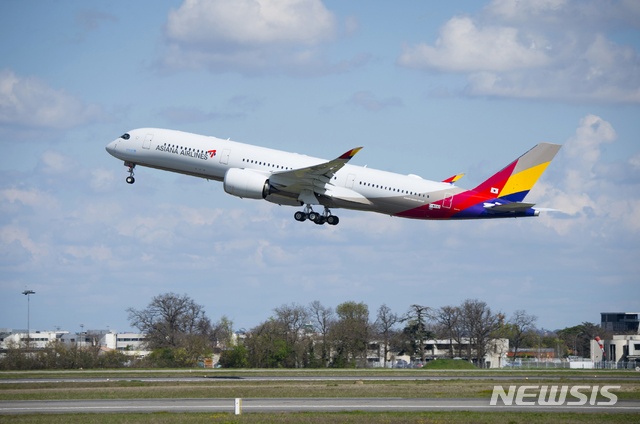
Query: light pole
{"points": [[27, 293]]}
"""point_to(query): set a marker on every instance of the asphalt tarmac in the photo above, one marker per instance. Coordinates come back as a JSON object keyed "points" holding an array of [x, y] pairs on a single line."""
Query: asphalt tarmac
{"points": [[271, 405]]}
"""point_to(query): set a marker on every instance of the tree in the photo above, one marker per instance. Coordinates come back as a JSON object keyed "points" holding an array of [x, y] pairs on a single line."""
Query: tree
{"points": [[481, 325], [350, 333], [385, 322], [267, 347], [518, 328], [293, 319], [416, 328], [578, 338], [322, 318], [173, 321], [234, 358], [221, 333], [449, 326]]}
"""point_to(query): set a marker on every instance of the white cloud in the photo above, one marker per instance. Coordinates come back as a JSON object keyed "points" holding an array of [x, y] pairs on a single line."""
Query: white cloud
{"points": [[252, 36], [55, 163], [523, 10], [11, 233], [30, 102], [585, 145], [463, 47], [102, 179], [592, 200], [535, 49], [251, 22], [33, 198], [97, 253]]}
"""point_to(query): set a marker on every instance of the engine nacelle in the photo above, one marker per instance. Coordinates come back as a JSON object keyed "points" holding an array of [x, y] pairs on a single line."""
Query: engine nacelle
{"points": [[245, 183]]}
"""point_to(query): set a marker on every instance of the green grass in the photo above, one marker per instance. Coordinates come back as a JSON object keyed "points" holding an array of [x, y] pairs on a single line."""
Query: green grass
{"points": [[355, 417], [137, 373], [209, 388], [449, 364]]}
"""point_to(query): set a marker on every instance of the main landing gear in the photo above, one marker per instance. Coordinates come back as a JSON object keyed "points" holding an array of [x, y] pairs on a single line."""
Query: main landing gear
{"points": [[130, 179], [319, 219]]}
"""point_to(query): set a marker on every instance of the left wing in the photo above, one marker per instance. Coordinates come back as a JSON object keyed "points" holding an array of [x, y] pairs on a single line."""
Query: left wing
{"points": [[453, 179], [312, 180]]}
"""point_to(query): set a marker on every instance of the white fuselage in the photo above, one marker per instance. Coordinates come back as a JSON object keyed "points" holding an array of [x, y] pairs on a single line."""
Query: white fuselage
{"points": [[210, 158]]}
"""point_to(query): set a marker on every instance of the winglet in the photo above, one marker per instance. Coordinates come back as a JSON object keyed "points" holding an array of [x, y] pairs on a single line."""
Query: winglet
{"points": [[453, 179], [351, 153]]}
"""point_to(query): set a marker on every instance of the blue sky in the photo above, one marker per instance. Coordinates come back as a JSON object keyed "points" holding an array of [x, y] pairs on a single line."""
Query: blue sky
{"points": [[427, 88]]}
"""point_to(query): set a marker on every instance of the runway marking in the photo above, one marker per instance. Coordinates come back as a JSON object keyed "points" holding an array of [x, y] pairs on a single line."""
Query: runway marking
{"points": [[245, 406]]}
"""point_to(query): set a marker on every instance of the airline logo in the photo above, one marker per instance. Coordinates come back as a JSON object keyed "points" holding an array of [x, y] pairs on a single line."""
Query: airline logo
{"points": [[183, 151]]}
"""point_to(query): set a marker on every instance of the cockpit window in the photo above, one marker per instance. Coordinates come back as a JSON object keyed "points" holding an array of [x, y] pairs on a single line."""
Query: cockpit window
{"points": [[126, 136]]}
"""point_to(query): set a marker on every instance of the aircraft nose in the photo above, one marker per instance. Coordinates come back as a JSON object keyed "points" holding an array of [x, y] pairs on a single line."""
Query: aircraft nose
{"points": [[111, 148]]}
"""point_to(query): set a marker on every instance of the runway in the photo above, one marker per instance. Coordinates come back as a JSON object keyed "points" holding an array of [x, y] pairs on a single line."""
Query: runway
{"points": [[213, 378], [272, 405]]}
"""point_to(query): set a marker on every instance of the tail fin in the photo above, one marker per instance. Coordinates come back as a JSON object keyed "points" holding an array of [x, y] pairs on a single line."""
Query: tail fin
{"points": [[513, 182]]}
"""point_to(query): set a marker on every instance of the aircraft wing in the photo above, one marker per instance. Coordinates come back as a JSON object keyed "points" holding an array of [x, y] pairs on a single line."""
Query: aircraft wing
{"points": [[312, 180], [453, 179]]}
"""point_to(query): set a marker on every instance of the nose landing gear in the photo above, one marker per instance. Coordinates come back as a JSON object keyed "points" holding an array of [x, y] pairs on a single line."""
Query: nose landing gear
{"points": [[319, 219], [130, 179]]}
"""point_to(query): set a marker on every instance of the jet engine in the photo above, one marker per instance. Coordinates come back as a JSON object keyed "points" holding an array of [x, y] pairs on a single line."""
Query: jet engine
{"points": [[246, 184]]}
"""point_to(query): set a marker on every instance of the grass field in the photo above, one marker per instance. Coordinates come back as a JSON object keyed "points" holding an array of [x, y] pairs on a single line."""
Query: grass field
{"points": [[449, 364], [210, 388], [136, 373], [355, 417], [214, 388]]}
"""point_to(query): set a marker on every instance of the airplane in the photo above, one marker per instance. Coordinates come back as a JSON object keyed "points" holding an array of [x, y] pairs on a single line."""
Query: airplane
{"points": [[293, 179]]}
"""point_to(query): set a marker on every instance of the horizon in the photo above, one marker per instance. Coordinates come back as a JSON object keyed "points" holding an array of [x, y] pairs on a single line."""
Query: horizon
{"points": [[428, 89]]}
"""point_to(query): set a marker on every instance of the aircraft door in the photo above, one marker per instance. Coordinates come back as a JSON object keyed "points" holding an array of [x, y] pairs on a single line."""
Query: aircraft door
{"points": [[224, 158], [448, 199], [146, 144], [350, 179]]}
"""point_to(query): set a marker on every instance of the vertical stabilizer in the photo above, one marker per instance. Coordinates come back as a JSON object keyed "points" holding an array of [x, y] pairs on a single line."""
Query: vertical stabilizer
{"points": [[515, 181]]}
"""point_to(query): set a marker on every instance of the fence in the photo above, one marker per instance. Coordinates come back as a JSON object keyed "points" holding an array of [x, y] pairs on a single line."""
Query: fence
{"points": [[613, 365], [575, 364]]}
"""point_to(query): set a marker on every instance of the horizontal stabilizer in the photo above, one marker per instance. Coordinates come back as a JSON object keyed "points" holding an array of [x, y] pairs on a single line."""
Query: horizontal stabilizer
{"points": [[508, 207], [547, 210]]}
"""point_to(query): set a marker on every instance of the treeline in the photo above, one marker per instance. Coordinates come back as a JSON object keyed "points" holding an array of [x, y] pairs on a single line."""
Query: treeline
{"points": [[179, 334], [58, 355]]}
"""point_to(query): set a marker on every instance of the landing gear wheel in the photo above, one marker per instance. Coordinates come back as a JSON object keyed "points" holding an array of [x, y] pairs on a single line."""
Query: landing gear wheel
{"points": [[320, 219], [313, 216], [332, 220], [131, 166], [300, 216]]}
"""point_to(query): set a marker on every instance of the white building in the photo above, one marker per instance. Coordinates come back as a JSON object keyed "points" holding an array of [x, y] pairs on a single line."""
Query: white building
{"points": [[128, 343], [495, 356], [620, 348], [38, 339]]}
